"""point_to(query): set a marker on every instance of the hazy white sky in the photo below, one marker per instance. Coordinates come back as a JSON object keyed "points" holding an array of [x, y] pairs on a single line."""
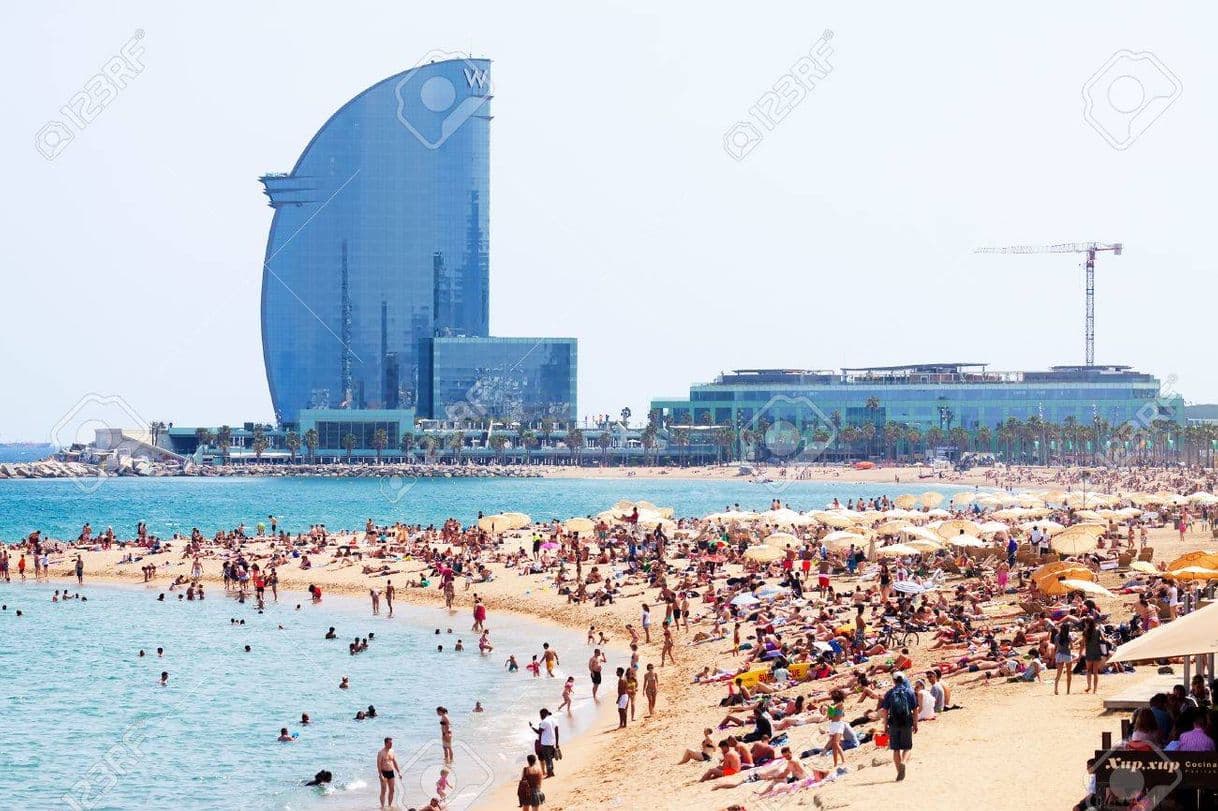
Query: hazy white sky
{"points": [[132, 262]]}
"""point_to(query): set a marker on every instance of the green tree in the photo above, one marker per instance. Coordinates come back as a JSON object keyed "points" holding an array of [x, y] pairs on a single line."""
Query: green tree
{"points": [[380, 441], [604, 442], [224, 440], [893, 432], [454, 443], [429, 443], [312, 441], [349, 442], [499, 443], [260, 443], [575, 444], [406, 443], [203, 437], [291, 441], [626, 412]]}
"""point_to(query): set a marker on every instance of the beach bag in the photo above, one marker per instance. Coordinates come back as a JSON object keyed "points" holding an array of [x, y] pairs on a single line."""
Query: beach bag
{"points": [[900, 713]]}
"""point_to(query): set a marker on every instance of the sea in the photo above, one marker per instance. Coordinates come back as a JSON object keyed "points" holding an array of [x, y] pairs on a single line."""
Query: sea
{"points": [[86, 724]]}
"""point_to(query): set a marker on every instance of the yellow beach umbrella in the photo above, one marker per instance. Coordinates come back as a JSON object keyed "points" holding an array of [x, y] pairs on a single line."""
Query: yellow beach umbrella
{"points": [[1074, 543], [924, 545], [930, 499], [493, 523], [1145, 567], [780, 538], [968, 541], [1199, 557], [518, 520], [1192, 573], [841, 539], [906, 501], [891, 527]]}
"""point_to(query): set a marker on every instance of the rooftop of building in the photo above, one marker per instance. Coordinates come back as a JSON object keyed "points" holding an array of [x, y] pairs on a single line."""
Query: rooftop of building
{"points": [[942, 372]]}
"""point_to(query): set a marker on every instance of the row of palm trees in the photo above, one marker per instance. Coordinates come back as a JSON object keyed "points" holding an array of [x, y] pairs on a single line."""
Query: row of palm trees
{"points": [[1034, 440]]}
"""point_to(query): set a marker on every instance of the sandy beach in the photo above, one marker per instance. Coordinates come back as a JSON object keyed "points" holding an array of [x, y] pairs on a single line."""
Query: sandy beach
{"points": [[1005, 735]]}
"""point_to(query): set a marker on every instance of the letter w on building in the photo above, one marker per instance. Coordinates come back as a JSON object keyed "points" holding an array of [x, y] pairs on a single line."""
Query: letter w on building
{"points": [[474, 76]]}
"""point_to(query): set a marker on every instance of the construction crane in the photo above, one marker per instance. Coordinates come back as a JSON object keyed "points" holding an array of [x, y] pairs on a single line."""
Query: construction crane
{"points": [[1089, 248]]}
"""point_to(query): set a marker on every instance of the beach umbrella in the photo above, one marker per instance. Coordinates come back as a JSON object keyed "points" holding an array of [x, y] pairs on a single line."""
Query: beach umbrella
{"points": [[938, 513], [787, 518], [771, 590], [578, 525], [780, 538], [837, 520], [993, 527], [1050, 573], [905, 501], [733, 516], [1087, 587], [968, 541], [1074, 543], [745, 599], [842, 539], [1050, 528], [921, 532], [930, 499], [1145, 567], [896, 550], [1199, 557], [493, 523], [891, 527], [763, 554], [1201, 497], [911, 587], [948, 529], [924, 545], [517, 520], [961, 498], [1192, 573]]}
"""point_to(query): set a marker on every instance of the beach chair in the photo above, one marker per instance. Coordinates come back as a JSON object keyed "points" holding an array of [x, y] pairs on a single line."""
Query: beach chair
{"points": [[1147, 554], [1124, 559]]}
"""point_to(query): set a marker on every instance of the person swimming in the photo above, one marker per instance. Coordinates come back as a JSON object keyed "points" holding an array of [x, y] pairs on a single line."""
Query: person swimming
{"points": [[284, 737], [322, 778]]}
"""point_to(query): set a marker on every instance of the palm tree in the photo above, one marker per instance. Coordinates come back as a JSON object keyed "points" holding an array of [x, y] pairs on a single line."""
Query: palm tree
{"points": [[725, 441], [203, 437], [867, 433], [893, 431], [429, 443], [528, 441], [499, 443], [380, 441], [913, 436], [455, 442], [626, 417], [155, 428], [406, 443], [224, 439], [680, 438], [849, 435], [575, 444], [959, 437], [291, 441], [311, 441], [260, 442], [983, 439], [604, 442], [648, 441], [872, 405], [349, 442]]}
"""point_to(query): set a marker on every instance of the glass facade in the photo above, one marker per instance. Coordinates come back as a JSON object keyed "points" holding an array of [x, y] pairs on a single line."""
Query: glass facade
{"points": [[514, 379], [939, 396], [379, 243]]}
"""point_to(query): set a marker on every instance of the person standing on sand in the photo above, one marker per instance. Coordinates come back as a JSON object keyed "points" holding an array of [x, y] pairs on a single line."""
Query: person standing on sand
{"points": [[900, 720], [651, 688], [386, 766], [594, 670], [647, 622], [1062, 656], [667, 649], [389, 596], [80, 571], [547, 740]]}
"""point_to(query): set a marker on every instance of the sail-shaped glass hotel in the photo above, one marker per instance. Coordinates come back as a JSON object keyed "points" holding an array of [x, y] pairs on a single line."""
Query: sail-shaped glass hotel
{"points": [[379, 245]]}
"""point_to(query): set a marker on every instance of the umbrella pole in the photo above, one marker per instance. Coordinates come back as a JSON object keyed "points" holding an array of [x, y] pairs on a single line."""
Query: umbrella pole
{"points": [[1188, 664]]}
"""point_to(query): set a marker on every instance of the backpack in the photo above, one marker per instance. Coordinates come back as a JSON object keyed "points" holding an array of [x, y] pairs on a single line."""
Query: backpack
{"points": [[900, 708]]}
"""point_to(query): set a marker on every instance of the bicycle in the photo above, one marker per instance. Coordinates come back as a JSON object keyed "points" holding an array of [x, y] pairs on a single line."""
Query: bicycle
{"points": [[893, 638]]}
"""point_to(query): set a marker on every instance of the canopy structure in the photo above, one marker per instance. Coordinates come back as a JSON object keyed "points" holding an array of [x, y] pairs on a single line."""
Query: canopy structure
{"points": [[1192, 634]]}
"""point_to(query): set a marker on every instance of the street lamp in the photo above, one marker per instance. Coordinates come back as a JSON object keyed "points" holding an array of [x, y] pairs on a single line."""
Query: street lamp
{"points": [[1086, 478]]}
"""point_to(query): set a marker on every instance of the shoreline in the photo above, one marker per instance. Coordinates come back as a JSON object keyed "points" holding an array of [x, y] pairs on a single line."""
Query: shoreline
{"points": [[578, 750]]}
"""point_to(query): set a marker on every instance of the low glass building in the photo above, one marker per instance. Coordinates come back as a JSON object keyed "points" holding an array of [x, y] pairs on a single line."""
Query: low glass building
{"points": [[926, 396], [512, 379]]}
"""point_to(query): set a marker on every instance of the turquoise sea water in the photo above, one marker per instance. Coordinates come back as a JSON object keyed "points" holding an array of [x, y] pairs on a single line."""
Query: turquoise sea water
{"points": [[60, 507], [85, 724]]}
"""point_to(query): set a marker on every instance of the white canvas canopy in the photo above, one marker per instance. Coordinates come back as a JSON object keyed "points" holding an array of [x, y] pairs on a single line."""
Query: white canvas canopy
{"points": [[1192, 634]]}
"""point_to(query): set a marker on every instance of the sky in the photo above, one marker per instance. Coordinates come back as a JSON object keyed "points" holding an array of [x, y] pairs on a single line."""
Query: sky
{"points": [[132, 259]]}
